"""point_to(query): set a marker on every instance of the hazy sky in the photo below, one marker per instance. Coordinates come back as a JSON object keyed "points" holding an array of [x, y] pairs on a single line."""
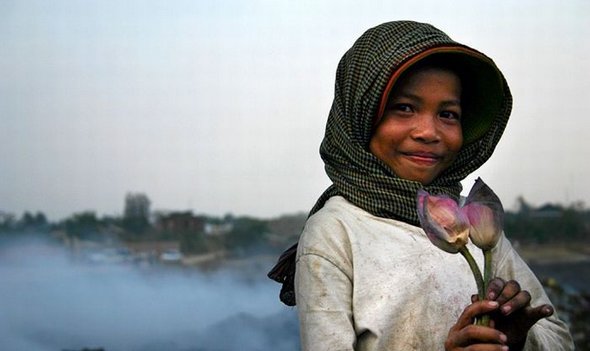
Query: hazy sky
{"points": [[220, 106]]}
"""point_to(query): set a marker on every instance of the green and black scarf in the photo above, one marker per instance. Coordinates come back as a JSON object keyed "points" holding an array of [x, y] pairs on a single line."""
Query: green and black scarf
{"points": [[364, 77]]}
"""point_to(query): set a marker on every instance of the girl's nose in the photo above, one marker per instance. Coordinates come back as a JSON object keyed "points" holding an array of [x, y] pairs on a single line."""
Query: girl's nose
{"points": [[426, 129]]}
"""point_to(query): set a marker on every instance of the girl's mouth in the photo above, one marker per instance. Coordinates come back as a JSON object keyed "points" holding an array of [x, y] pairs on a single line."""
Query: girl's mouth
{"points": [[424, 158]]}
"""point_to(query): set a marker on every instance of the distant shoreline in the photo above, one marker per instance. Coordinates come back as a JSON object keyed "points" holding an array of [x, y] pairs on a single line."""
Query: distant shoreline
{"points": [[569, 264], [553, 253], [570, 275]]}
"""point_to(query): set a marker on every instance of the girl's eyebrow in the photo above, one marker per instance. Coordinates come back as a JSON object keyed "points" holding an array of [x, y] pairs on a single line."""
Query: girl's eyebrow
{"points": [[452, 102], [415, 97]]}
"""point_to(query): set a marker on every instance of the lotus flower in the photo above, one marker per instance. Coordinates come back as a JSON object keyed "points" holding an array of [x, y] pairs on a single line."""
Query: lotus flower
{"points": [[486, 216], [449, 226], [444, 222]]}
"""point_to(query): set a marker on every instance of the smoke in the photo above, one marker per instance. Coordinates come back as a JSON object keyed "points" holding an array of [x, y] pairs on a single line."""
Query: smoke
{"points": [[49, 301]]}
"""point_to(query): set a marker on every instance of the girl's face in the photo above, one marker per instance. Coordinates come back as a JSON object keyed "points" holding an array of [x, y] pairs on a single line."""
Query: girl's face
{"points": [[419, 135]]}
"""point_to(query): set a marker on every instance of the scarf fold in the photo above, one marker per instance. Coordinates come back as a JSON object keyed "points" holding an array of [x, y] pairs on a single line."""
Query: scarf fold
{"points": [[362, 77]]}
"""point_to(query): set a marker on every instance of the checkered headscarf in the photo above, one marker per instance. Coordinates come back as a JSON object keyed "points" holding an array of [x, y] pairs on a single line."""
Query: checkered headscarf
{"points": [[364, 73]]}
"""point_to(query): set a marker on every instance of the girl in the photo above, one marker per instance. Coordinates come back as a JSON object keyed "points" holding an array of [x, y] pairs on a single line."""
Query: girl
{"points": [[412, 109]]}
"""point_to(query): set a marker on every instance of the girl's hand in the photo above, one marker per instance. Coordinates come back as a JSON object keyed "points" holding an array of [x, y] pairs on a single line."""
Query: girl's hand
{"points": [[464, 335], [515, 316]]}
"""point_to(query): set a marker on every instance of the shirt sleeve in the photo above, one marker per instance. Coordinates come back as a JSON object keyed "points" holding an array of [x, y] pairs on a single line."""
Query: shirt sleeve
{"points": [[548, 334], [323, 288]]}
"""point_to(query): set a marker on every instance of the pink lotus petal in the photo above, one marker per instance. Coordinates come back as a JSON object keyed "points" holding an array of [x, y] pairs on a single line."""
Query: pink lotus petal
{"points": [[485, 214], [444, 223]]}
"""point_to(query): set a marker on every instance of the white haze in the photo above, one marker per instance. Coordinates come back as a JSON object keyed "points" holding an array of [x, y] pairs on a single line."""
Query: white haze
{"points": [[49, 302], [220, 106]]}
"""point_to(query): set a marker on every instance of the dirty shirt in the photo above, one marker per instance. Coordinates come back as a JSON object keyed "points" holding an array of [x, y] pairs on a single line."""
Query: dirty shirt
{"points": [[379, 284]]}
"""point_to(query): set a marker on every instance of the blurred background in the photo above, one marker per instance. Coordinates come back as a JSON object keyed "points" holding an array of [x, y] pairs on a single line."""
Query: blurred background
{"points": [[157, 156]]}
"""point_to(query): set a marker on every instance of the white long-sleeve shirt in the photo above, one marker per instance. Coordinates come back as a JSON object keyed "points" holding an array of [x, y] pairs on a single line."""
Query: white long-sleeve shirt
{"points": [[370, 283]]}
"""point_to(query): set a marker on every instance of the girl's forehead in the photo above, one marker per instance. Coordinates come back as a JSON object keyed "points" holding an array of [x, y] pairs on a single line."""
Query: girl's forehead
{"points": [[426, 75]]}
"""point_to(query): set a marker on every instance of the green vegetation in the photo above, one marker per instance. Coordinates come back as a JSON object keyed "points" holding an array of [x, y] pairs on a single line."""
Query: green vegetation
{"points": [[548, 224], [83, 225], [197, 234]]}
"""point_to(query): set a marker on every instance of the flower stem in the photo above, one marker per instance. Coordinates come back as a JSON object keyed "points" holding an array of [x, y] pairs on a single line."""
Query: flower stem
{"points": [[484, 320], [487, 276], [475, 270], [487, 270]]}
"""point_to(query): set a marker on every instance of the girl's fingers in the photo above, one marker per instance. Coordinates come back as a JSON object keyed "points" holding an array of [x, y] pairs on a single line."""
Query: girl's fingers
{"points": [[464, 335], [478, 335], [536, 313], [495, 288], [474, 310], [510, 289], [508, 294], [520, 300]]}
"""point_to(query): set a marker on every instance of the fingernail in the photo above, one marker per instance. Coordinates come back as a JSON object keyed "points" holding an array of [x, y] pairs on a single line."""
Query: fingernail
{"points": [[491, 295], [503, 338], [504, 348], [492, 303], [506, 308]]}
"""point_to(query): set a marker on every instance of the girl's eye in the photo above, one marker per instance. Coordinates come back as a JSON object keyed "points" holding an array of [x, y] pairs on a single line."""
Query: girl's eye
{"points": [[450, 115], [402, 107]]}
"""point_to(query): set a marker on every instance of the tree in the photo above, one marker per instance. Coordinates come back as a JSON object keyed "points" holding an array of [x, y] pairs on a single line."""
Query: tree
{"points": [[247, 232], [29, 221], [83, 225], [7, 222]]}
